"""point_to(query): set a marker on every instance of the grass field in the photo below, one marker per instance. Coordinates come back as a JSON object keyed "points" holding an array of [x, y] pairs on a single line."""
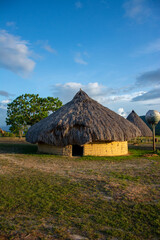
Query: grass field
{"points": [[55, 197]]}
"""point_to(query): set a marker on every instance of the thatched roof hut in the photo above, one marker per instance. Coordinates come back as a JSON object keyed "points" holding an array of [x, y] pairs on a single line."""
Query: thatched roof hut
{"points": [[79, 122], [138, 122]]}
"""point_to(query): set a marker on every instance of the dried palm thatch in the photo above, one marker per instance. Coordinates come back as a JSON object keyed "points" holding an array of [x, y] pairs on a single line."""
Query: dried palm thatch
{"points": [[81, 121], [138, 122]]}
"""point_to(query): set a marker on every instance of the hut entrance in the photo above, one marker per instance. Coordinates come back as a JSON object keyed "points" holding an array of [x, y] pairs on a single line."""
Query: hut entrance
{"points": [[77, 150]]}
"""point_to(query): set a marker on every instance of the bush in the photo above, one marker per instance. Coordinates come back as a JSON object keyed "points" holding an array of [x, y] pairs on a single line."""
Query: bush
{"points": [[7, 134], [12, 134]]}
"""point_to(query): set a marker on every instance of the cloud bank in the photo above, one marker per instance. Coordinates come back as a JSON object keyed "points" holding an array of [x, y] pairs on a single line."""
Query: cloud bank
{"points": [[5, 94], [15, 54], [149, 78], [67, 91], [150, 95], [97, 91]]}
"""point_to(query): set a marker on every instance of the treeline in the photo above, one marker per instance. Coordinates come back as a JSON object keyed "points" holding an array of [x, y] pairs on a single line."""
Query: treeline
{"points": [[28, 109]]}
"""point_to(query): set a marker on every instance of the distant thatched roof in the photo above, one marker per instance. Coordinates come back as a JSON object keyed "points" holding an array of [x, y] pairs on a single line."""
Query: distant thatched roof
{"points": [[138, 122], [81, 121]]}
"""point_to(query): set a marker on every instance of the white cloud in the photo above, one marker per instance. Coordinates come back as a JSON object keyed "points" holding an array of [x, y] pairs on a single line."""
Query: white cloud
{"points": [[3, 103], [67, 91], [2, 106], [78, 4], [6, 101], [148, 102], [137, 9], [79, 59], [113, 98], [14, 54], [121, 112], [97, 91]]}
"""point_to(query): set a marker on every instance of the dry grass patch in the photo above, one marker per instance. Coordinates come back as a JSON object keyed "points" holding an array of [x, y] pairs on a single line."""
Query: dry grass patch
{"points": [[131, 192]]}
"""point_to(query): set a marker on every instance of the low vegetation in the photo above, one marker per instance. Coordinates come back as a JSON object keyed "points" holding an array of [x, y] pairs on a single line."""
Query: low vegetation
{"points": [[55, 197]]}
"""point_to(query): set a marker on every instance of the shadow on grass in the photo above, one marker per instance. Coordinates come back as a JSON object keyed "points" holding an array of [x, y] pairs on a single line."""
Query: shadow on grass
{"points": [[32, 149], [18, 148]]}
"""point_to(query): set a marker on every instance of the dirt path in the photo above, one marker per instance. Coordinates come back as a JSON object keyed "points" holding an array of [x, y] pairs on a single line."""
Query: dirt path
{"points": [[68, 167], [129, 178]]}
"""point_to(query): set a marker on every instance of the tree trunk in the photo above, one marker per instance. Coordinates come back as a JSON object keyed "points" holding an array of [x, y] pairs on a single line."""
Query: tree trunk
{"points": [[20, 133]]}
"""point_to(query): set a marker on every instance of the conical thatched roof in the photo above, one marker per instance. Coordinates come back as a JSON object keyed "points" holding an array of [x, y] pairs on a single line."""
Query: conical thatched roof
{"points": [[81, 121], [138, 122]]}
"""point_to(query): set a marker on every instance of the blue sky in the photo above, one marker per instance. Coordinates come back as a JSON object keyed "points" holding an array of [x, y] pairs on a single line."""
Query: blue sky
{"points": [[110, 49]]}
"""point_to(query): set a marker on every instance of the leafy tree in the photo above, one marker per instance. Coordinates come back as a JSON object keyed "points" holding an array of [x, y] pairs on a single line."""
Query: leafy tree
{"points": [[29, 109]]}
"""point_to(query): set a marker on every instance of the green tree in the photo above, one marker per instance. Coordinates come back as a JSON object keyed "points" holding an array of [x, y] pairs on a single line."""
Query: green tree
{"points": [[29, 109]]}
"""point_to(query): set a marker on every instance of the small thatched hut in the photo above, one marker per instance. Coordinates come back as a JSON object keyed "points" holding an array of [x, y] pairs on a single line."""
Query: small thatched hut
{"points": [[83, 127], [138, 122]]}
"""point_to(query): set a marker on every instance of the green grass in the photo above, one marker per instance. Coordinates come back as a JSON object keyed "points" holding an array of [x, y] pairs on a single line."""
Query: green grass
{"points": [[53, 197], [61, 202], [124, 176]]}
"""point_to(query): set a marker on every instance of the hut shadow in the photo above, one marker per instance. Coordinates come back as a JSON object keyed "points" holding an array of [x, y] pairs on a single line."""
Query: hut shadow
{"points": [[18, 148], [32, 149]]}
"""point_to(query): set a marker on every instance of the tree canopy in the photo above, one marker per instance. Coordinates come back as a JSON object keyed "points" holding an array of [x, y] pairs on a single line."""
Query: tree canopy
{"points": [[29, 109]]}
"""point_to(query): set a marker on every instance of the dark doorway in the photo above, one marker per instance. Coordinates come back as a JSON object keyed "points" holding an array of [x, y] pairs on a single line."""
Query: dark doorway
{"points": [[77, 150]]}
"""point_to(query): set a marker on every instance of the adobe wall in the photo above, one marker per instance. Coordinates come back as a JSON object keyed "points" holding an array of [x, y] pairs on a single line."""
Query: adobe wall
{"points": [[106, 149], [92, 149], [45, 148]]}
